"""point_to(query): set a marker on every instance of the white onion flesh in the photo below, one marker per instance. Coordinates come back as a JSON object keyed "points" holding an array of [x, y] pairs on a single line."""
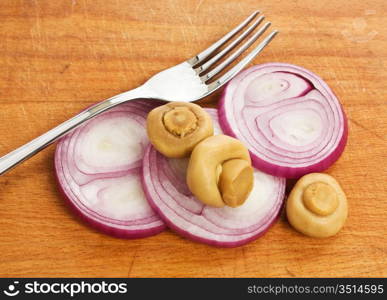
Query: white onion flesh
{"points": [[289, 119], [98, 167], [166, 189]]}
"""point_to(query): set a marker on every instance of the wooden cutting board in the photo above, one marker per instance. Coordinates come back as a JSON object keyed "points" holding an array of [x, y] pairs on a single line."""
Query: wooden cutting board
{"points": [[58, 57]]}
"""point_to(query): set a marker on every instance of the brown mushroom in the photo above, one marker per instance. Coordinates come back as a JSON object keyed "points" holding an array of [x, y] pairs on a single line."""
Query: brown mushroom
{"points": [[219, 172], [317, 205], [175, 128]]}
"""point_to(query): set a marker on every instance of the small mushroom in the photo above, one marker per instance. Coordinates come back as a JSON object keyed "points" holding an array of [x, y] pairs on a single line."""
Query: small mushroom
{"points": [[317, 206], [219, 172], [175, 128]]}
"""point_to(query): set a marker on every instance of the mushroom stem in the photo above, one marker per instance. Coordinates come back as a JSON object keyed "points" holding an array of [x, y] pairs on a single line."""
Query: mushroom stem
{"points": [[320, 198], [235, 181], [180, 121]]}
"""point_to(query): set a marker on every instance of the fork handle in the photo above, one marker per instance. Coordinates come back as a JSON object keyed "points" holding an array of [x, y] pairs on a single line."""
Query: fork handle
{"points": [[28, 150]]}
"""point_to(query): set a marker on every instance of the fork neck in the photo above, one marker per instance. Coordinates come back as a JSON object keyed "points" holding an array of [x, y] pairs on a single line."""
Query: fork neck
{"points": [[137, 93]]}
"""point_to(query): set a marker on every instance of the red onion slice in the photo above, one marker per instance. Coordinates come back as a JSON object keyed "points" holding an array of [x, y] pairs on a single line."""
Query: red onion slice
{"points": [[167, 192], [98, 169], [288, 117]]}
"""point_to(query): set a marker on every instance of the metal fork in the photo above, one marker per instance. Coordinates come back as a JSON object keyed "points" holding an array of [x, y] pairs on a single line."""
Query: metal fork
{"points": [[189, 81]]}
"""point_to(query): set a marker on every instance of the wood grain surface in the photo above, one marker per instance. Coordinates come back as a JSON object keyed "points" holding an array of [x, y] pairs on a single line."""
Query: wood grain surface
{"points": [[58, 57]]}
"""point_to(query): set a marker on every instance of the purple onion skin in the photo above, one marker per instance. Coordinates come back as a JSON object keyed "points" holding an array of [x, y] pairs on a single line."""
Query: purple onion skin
{"points": [[114, 232], [194, 238], [281, 171]]}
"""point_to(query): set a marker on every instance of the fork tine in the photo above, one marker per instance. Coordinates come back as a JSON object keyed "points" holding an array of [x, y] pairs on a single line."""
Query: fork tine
{"points": [[239, 66], [231, 46], [204, 54], [237, 53]]}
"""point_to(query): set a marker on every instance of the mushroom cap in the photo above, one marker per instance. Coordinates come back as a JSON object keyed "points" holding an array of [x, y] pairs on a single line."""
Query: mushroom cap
{"points": [[317, 205], [175, 128], [205, 178]]}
